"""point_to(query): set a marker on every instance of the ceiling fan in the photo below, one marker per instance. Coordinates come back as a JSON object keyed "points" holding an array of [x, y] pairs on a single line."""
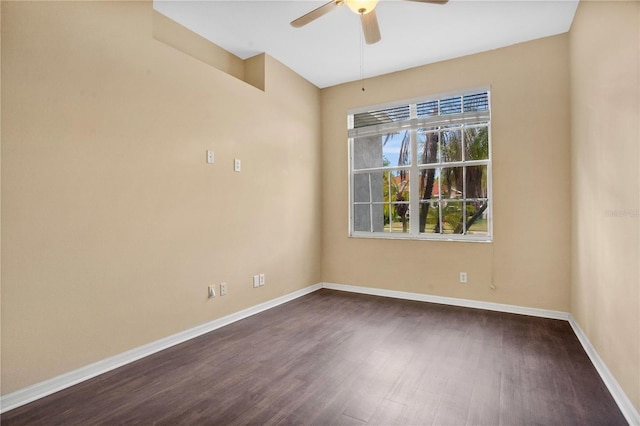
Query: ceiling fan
{"points": [[364, 8]]}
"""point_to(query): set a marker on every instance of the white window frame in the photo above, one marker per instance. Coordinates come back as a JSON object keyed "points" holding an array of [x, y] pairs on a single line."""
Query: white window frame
{"points": [[413, 124]]}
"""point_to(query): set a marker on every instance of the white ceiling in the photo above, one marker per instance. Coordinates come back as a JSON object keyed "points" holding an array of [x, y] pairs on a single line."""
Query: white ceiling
{"points": [[328, 51]]}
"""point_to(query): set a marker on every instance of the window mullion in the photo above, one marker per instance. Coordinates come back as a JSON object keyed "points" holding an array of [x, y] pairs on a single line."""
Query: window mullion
{"points": [[463, 145], [414, 189], [389, 202], [464, 194], [370, 205]]}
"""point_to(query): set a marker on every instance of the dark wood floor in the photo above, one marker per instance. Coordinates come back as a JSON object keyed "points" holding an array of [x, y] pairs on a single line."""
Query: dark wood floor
{"points": [[340, 358]]}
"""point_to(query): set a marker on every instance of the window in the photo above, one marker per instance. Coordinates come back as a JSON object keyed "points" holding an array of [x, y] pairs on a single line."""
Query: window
{"points": [[421, 169]]}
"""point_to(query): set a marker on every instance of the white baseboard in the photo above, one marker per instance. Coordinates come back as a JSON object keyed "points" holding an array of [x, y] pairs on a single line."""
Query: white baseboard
{"points": [[499, 307], [42, 389], [625, 405]]}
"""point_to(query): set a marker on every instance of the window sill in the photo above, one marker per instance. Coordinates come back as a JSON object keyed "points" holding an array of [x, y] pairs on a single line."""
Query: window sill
{"points": [[422, 237]]}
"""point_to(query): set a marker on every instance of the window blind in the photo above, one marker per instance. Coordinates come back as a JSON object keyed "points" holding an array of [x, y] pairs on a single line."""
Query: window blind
{"points": [[456, 110]]}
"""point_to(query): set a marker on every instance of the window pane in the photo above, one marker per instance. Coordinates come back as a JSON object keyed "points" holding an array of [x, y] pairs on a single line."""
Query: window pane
{"points": [[396, 149], [428, 184], [476, 182], [399, 218], [429, 218], [477, 217], [387, 115], [451, 105], [393, 149], [428, 146], [451, 145], [361, 188], [476, 102], [396, 184], [396, 194], [427, 109], [367, 152], [452, 217], [451, 183], [361, 218], [476, 143]]}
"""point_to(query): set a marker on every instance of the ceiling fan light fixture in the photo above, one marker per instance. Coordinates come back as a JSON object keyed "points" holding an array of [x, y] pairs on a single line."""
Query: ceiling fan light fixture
{"points": [[361, 7]]}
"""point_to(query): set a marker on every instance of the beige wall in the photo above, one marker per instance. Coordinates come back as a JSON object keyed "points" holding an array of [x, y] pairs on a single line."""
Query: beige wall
{"points": [[113, 223], [172, 33], [529, 260], [605, 77]]}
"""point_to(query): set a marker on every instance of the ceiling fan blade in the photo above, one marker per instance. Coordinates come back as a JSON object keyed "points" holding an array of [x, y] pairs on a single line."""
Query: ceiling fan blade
{"points": [[370, 27], [316, 13], [431, 1]]}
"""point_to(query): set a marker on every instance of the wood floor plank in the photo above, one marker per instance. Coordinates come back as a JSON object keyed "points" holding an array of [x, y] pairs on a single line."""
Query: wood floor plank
{"points": [[341, 358], [390, 413], [484, 406]]}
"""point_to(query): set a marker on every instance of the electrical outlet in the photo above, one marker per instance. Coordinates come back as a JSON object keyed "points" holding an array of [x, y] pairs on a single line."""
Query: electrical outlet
{"points": [[212, 291], [463, 277], [256, 281], [223, 289], [210, 157], [262, 279], [237, 165]]}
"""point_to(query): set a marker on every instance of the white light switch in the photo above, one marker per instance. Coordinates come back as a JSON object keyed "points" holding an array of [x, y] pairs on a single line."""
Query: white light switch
{"points": [[210, 157], [236, 165]]}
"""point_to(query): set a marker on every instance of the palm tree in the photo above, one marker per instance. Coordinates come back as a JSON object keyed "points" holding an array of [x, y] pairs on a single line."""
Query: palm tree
{"points": [[476, 177], [477, 147], [399, 188], [427, 177]]}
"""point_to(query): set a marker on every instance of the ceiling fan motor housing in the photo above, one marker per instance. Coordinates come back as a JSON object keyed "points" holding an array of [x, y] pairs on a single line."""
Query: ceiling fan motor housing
{"points": [[361, 7]]}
